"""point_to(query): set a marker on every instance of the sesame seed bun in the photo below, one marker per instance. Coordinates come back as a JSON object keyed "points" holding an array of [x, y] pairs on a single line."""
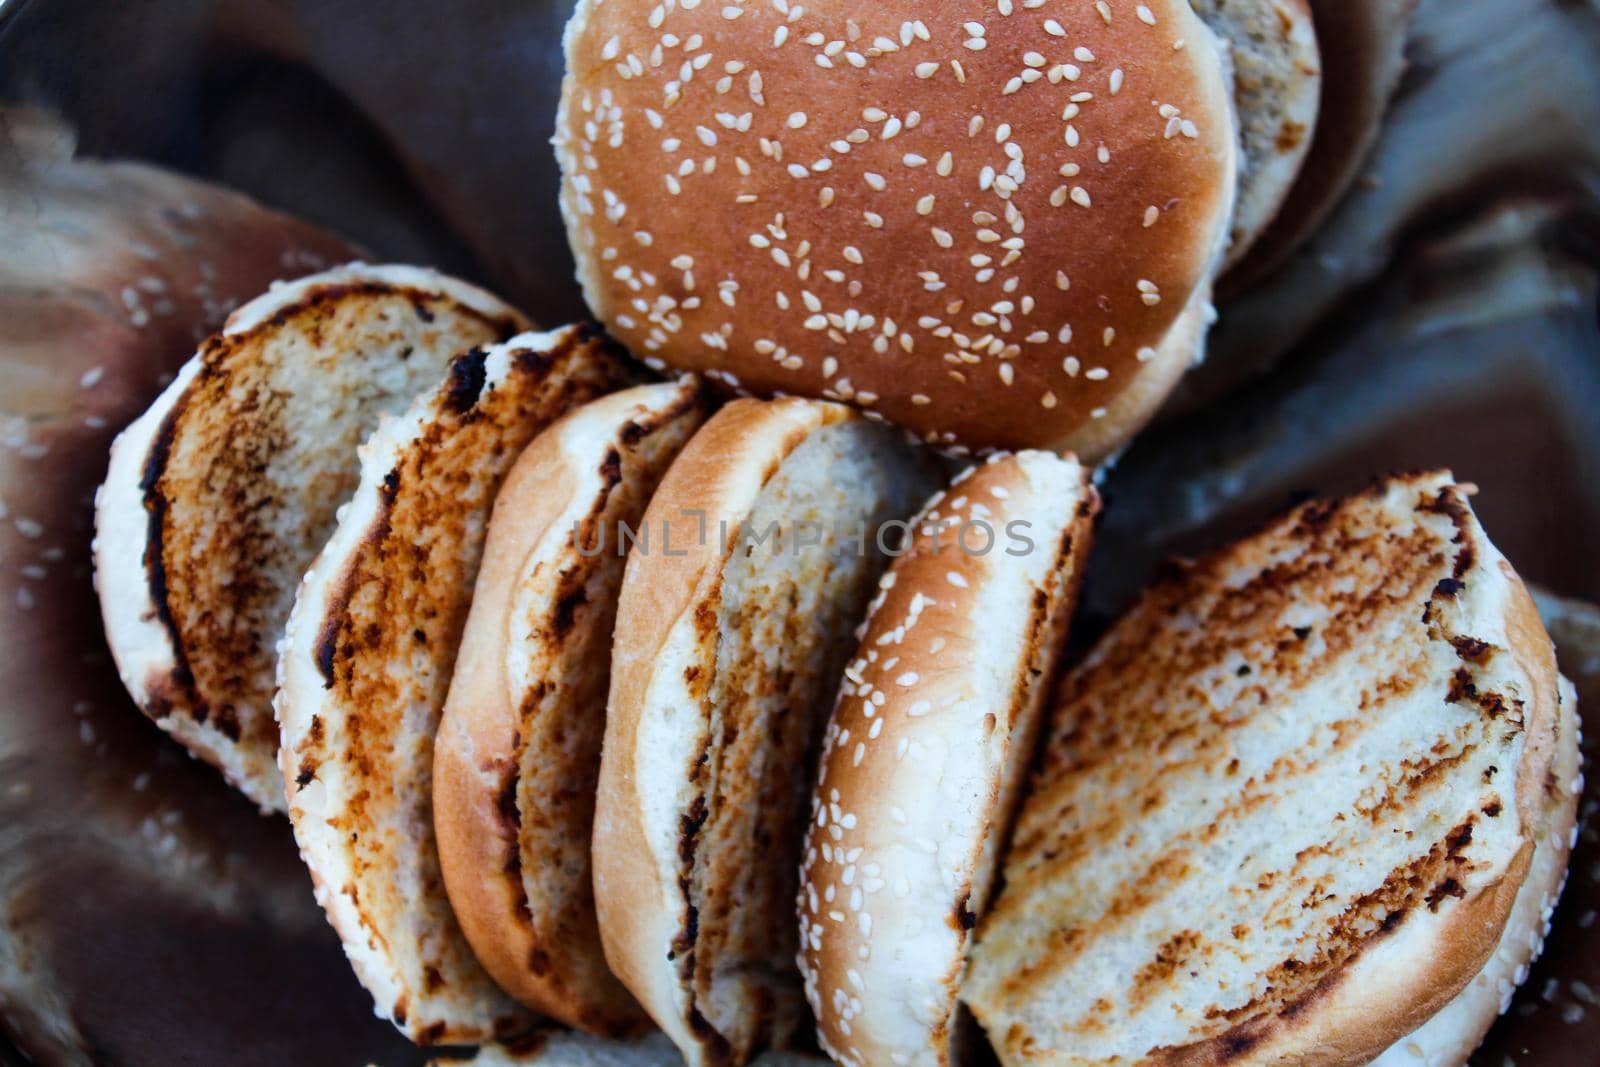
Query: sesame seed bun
{"points": [[518, 750], [730, 638], [982, 231], [926, 749], [1288, 803]]}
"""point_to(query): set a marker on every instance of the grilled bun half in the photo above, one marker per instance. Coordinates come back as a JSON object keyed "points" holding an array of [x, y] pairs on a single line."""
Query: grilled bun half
{"points": [[219, 496], [929, 742], [366, 661], [732, 629], [980, 225], [1277, 89], [1287, 805], [1449, 1038], [518, 752]]}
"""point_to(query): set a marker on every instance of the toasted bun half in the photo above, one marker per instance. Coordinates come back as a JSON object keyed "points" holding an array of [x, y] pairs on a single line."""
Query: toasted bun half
{"points": [[1286, 804], [1277, 88], [518, 752], [732, 629], [563, 1048], [366, 662], [1450, 1037], [928, 743], [1362, 46], [219, 496], [929, 213]]}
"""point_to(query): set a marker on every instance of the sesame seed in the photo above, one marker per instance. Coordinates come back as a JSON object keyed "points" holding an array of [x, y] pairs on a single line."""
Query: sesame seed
{"points": [[911, 159], [925, 205], [942, 238], [1080, 196], [1097, 374], [1151, 214], [797, 120], [875, 181], [927, 70], [1146, 16], [956, 579]]}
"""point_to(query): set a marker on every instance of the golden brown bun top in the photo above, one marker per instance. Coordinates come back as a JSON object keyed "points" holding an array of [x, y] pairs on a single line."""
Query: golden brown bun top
{"points": [[972, 222]]}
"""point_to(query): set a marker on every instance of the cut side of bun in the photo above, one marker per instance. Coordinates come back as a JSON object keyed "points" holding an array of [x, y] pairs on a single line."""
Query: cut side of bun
{"points": [[928, 743], [1277, 87], [366, 662], [1285, 806], [973, 227], [220, 495], [518, 752], [1362, 48], [732, 630], [1450, 1037]]}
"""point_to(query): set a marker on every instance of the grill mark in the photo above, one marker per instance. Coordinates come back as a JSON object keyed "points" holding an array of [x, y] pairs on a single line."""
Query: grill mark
{"points": [[1155, 883], [180, 678], [1296, 982], [336, 620], [464, 380]]}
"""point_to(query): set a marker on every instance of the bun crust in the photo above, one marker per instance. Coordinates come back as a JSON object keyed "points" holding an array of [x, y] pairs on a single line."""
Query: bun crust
{"points": [[366, 661], [974, 230], [518, 751], [928, 743], [201, 540], [1393, 603]]}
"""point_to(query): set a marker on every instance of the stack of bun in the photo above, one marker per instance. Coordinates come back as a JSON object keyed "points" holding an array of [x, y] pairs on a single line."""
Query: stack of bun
{"points": [[621, 721]]}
